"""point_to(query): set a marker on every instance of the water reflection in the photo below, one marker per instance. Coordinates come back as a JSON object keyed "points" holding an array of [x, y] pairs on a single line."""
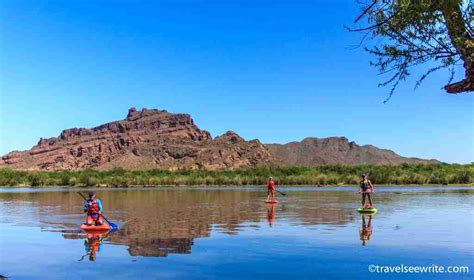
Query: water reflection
{"points": [[93, 245], [365, 231], [271, 214], [160, 222]]}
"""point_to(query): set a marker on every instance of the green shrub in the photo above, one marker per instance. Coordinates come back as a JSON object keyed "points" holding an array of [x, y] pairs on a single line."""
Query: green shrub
{"points": [[463, 177], [321, 175]]}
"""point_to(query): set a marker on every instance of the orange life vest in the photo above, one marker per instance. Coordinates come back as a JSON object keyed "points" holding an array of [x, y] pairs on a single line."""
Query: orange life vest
{"points": [[93, 207]]}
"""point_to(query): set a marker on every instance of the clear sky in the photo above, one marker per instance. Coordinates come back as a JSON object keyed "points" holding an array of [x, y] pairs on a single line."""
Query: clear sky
{"points": [[273, 70]]}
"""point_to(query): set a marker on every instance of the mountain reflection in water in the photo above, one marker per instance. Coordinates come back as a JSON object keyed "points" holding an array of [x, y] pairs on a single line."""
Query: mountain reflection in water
{"points": [[158, 222], [161, 222], [229, 233]]}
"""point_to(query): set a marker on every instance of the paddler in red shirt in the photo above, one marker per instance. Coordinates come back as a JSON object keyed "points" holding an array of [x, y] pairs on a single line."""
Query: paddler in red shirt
{"points": [[271, 189]]}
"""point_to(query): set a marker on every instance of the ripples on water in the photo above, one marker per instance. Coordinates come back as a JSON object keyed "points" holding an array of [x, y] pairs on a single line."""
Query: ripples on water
{"points": [[228, 233]]}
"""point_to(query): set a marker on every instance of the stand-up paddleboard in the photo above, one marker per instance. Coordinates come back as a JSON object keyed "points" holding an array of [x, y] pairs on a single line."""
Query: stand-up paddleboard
{"points": [[372, 210], [271, 201], [102, 228]]}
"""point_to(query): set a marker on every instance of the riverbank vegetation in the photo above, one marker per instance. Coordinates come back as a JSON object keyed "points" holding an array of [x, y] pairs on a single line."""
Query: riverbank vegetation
{"points": [[323, 175]]}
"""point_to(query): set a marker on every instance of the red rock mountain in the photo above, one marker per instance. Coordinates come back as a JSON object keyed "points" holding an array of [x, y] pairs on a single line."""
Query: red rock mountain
{"points": [[144, 140], [150, 139], [335, 150]]}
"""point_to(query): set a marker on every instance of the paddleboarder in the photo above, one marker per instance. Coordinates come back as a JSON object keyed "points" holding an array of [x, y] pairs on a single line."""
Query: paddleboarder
{"points": [[271, 189], [366, 188], [93, 208]]}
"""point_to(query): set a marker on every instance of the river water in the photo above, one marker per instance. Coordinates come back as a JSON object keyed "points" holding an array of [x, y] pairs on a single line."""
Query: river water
{"points": [[230, 233]]}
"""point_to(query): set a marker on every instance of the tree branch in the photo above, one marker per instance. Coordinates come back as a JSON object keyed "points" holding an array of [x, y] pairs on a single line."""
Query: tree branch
{"points": [[459, 87], [365, 11]]}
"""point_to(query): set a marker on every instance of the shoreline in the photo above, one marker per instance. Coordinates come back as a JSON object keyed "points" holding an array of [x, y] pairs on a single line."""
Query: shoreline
{"points": [[224, 186]]}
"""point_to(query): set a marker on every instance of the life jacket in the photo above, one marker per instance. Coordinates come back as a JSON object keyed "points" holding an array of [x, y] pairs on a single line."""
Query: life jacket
{"points": [[93, 207], [364, 184]]}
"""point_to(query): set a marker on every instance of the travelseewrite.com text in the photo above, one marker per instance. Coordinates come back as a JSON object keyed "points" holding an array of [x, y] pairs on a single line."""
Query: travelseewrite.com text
{"points": [[433, 268]]}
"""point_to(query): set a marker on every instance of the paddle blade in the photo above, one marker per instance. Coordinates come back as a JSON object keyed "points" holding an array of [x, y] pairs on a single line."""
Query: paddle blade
{"points": [[113, 227], [282, 193]]}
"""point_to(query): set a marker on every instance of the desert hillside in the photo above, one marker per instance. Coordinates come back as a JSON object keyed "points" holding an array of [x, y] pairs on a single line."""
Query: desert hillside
{"points": [[151, 138]]}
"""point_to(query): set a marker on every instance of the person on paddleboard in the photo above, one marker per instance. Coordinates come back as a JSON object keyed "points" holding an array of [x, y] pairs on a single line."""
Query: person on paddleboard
{"points": [[271, 189], [93, 208], [366, 188]]}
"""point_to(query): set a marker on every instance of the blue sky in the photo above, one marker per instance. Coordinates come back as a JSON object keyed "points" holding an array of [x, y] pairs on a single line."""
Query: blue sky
{"points": [[277, 71]]}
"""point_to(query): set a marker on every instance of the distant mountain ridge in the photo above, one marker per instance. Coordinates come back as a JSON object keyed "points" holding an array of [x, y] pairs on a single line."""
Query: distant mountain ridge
{"points": [[335, 150], [152, 138]]}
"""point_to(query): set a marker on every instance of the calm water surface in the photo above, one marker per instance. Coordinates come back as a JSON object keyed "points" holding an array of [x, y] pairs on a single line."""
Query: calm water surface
{"points": [[220, 233]]}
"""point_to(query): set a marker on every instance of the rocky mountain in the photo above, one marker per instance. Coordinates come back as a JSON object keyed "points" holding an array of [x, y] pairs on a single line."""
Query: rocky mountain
{"points": [[150, 139], [335, 150], [145, 139]]}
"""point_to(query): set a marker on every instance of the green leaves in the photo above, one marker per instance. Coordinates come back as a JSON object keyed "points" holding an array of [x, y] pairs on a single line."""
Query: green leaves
{"points": [[320, 175], [416, 32]]}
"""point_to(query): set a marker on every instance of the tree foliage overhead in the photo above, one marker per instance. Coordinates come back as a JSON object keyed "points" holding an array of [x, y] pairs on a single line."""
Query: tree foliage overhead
{"points": [[415, 32]]}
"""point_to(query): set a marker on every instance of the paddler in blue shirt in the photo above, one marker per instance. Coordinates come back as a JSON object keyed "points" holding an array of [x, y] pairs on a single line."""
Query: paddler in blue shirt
{"points": [[93, 208]]}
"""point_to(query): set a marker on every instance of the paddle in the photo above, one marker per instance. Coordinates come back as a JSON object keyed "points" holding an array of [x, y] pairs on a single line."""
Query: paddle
{"points": [[281, 192], [113, 226]]}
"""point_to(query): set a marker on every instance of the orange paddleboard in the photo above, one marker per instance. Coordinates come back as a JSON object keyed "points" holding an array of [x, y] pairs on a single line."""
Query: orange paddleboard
{"points": [[102, 228]]}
